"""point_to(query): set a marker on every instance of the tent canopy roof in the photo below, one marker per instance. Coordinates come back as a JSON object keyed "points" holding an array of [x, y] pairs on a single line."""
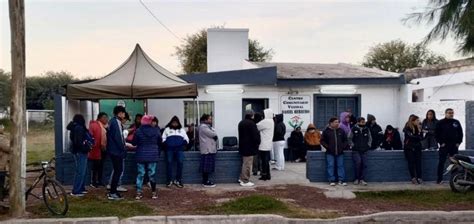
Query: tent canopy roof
{"points": [[139, 77]]}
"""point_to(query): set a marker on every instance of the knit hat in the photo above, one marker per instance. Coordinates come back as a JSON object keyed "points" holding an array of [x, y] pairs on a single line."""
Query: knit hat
{"points": [[147, 119]]}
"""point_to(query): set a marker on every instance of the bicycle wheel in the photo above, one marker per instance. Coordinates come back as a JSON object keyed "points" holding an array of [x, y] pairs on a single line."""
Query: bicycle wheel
{"points": [[55, 197]]}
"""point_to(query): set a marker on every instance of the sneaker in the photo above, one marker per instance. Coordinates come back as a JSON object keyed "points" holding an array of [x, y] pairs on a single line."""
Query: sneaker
{"points": [[248, 184], [121, 189], [114, 197], [413, 181], [239, 181], [273, 161], [154, 195], [94, 186], [342, 183], [139, 196], [169, 184], [419, 180], [108, 186], [332, 184], [178, 184], [77, 195], [84, 192], [297, 160], [209, 184], [356, 182], [363, 182]]}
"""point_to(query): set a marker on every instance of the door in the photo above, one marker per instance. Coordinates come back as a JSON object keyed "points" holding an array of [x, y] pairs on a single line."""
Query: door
{"points": [[257, 105], [326, 107]]}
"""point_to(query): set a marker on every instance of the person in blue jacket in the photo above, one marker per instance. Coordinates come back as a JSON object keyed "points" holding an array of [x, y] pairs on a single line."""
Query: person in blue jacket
{"points": [[175, 139], [147, 139], [116, 149]]}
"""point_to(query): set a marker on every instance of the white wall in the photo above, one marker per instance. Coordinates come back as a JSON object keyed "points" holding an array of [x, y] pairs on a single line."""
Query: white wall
{"points": [[420, 109], [451, 86], [381, 101], [227, 49]]}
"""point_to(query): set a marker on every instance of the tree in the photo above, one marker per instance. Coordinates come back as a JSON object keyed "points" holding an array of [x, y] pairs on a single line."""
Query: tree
{"points": [[40, 90], [451, 17], [398, 56], [5, 80], [192, 54]]}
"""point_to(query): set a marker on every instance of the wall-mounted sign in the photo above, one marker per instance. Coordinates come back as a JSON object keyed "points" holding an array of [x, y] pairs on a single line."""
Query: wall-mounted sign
{"points": [[296, 111]]}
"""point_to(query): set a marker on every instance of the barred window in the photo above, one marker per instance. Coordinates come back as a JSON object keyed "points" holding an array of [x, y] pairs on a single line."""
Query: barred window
{"points": [[191, 113]]}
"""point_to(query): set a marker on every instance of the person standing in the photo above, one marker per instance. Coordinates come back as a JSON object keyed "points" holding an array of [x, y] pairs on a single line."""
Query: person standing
{"points": [[265, 127], [334, 140], [97, 155], [375, 131], [449, 134], [412, 148], [116, 150], [147, 139], [175, 140], [312, 141], [428, 127], [345, 122], [208, 148], [279, 142], [360, 141], [249, 140], [257, 162], [391, 139], [81, 144]]}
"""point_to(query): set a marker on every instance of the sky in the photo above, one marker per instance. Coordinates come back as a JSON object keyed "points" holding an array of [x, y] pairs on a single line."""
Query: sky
{"points": [[92, 38]]}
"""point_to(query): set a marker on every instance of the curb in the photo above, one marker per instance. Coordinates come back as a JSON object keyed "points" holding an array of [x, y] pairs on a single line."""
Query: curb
{"points": [[383, 217]]}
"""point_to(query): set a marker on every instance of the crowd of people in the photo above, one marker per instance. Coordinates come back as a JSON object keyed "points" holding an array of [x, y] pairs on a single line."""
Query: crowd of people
{"points": [[261, 144]]}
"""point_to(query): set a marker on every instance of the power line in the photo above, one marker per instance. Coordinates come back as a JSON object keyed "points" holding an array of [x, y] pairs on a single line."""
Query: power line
{"points": [[159, 21]]}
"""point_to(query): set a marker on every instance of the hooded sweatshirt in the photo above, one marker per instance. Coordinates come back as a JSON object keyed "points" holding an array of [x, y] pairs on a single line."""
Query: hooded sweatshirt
{"points": [[280, 129], [312, 138], [375, 131], [344, 125], [266, 127], [147, 139]]}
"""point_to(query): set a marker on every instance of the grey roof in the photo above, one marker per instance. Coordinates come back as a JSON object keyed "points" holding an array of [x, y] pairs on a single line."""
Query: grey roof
{"points": [[326, 71]]}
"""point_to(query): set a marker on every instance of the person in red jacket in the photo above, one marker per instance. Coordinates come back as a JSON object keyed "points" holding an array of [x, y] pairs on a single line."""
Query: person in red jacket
{"points": [[96, 156]]}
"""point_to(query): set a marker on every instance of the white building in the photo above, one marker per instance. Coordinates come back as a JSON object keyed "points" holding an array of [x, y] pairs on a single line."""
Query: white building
{"points": [[304, 93]]}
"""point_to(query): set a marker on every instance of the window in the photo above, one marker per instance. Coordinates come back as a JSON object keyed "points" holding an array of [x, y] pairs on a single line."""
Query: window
{"points": [[191, 113]]}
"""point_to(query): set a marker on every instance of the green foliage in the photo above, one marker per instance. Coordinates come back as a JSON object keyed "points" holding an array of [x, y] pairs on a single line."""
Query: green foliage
{"points": [[255, 204], [451, 17], [40, 90], [192, 54], [98, 206], [5, 80], [398, 56]]}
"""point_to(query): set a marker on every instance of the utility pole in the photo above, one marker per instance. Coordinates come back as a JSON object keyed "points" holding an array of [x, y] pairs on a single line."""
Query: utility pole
{"points": [[17, 165]]}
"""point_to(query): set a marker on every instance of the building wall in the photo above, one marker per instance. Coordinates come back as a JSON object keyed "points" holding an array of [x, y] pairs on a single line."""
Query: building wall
{"points": [[381, 101], [451, 92]]}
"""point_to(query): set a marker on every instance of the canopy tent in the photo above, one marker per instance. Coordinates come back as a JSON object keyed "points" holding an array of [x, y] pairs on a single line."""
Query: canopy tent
{"points": [[139, 77]]}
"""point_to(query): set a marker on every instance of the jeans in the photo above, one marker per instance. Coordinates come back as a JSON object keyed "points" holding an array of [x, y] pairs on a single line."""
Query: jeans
{"points": [[414, 162], [360, 164], [171, 156], [450, 150], [331, 160], [278, 150], [265, 158], [117, 165], [80, 174], [143, 168]]}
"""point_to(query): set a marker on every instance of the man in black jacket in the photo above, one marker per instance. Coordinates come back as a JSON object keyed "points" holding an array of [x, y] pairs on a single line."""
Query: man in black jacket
{"points": [[334, 140], [360, 141], [249, 140], [449, 135]]}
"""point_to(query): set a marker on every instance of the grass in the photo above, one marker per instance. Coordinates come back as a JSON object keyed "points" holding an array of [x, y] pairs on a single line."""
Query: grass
{"points": [[262, 204], [421, 198], [39, 143], [98, 207]]}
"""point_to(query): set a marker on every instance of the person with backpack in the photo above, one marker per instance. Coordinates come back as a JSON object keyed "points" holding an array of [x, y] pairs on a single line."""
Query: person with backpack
{"points": [[147, 140], [81, 144], [208, 148], [175, 140], [360, 141]]}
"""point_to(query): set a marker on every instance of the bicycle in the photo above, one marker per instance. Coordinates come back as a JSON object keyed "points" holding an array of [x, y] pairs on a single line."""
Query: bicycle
{"points": [[53, 194]]}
